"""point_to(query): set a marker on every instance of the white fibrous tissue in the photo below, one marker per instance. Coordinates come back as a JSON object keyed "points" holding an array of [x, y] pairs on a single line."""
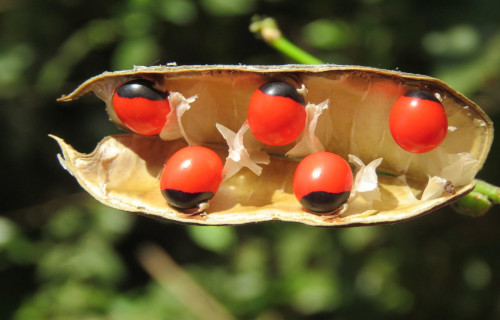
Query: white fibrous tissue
{"points": [[309, 143], [365, 184], [434, 189], [202, 207], [173, 128], [461, 168], [240, 156]]}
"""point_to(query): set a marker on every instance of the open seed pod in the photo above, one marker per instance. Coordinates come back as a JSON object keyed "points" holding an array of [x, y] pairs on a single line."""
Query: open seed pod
{"points": [[123, 171]]}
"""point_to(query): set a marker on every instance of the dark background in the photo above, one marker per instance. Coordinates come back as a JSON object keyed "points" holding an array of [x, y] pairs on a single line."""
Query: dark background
{"points": [[65, 256]]}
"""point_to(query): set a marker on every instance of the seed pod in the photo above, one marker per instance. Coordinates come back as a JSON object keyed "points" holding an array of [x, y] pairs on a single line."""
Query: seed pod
{"points": [[123, 171]]}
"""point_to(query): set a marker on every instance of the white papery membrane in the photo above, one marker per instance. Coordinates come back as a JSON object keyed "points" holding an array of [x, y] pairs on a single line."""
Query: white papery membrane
{"points": [[240, 156], [173, 128], [365, 189], [434, 189], [365, 183], [309, 142], [461, 168]]}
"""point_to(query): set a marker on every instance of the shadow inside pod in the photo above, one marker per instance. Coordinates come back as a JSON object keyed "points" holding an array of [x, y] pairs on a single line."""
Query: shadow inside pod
{"points": [[247, 190]]}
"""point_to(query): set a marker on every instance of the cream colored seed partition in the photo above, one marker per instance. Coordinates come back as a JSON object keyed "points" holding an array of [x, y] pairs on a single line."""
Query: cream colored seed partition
{"points": [[123, 171]]}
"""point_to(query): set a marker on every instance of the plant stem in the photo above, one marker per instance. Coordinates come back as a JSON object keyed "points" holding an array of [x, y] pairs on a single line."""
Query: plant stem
{"points": [[474, 204], [268, 30], [489, 190], [479, 201], [283, 45]]}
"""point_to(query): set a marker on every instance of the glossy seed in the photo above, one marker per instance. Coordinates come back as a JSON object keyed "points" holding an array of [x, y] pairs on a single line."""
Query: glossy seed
{"points": [[141, 107], [322, 182], [418, 122], [276, 113], [191, 176]]}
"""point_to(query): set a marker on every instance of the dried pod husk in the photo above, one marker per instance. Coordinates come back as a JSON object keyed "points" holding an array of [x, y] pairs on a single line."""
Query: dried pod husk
{"points": [[123, 170]]}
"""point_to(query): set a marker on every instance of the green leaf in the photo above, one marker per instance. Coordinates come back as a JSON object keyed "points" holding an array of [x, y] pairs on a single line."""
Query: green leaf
{"points": [[217, 239], [327, 34], [140, 51], [228, 8]]}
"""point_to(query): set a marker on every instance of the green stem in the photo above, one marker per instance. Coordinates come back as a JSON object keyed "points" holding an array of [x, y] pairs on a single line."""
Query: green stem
{"points": [[268, 30], [489, 190], [474, 204], [479, 201], [283, 45]]}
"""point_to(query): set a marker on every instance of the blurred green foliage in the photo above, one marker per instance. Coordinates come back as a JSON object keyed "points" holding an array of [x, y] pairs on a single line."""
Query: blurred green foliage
{"points": [[64, 256]]}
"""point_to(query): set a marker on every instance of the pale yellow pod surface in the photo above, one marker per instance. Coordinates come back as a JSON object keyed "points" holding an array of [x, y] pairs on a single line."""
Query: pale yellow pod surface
{"points": [[124, 170]]}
